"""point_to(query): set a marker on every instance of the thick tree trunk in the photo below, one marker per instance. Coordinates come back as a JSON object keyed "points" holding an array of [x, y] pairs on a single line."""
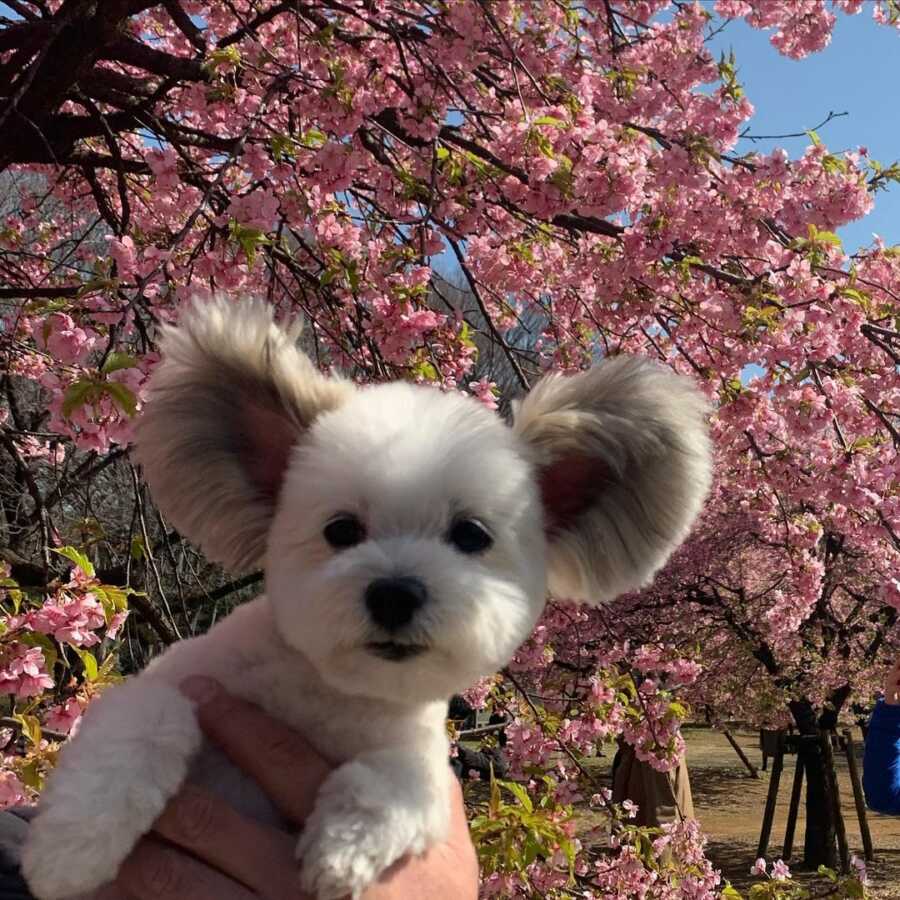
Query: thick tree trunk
{"points": [[819, 845]]}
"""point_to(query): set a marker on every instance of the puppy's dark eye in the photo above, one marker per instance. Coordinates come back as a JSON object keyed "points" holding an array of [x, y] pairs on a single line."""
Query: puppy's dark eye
{"points": [[470, 536], [344, 531]]}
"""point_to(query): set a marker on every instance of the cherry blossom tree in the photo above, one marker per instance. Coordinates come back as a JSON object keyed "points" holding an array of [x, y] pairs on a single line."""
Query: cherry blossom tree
{"points": [[728, 631], [573, 165]]}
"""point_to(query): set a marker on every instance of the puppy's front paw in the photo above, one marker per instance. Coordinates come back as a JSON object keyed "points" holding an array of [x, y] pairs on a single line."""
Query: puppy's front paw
{"points": [[113, 780], [78, 842], [359, 827], [343, 854], [67, 855]]}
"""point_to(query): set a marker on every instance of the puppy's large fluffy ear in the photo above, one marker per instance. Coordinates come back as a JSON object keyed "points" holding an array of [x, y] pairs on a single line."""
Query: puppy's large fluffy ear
{"points": [[230, 399], [624, 464]]}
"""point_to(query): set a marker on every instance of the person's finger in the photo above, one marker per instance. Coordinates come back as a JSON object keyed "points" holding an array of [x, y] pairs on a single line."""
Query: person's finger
{"points": [[210, 829], [280, 761], [157, 872]]}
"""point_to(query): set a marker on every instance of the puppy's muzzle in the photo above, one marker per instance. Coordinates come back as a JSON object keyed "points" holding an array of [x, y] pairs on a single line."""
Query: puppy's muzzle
{"points": [[392, 602]]}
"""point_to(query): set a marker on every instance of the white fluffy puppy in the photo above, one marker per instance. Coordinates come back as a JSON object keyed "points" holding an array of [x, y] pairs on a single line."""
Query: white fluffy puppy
{"points": [[408, 537]]}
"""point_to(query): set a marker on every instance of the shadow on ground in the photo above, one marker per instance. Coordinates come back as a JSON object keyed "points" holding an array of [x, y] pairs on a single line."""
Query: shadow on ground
{"points": [[729, 804]]}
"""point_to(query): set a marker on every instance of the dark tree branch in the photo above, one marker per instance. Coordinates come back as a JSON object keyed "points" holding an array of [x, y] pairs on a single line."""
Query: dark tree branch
{"points": [[185, 25], [134, 53]]}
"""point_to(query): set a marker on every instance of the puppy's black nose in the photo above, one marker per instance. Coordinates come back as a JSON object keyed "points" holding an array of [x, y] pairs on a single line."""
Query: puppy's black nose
{"points": [[392, 602]]}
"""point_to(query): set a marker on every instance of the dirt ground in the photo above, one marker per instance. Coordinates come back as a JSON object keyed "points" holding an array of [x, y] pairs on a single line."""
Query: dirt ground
{"points": [[729, 804]]}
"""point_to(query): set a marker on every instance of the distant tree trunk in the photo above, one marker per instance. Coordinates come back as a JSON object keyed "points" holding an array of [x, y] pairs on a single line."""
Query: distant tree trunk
{"points": [[819, 844]]}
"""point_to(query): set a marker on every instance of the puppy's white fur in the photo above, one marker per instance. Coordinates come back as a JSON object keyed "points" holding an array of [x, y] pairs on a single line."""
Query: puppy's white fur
{"points": [[251, 451]]}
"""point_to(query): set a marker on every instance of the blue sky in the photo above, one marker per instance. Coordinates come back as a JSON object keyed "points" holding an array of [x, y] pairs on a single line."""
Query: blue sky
{"points": [[858, 73]]}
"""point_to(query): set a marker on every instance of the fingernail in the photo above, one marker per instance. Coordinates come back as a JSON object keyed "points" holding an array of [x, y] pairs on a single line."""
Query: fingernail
{"points": [[200, 689]]}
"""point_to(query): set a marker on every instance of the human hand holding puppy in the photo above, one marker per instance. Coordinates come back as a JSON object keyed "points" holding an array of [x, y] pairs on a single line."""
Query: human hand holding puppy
{"points": [[203, 849]]}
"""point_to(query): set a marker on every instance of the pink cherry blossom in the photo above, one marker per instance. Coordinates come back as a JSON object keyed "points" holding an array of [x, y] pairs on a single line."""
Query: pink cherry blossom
{"points": [[22, 670], [780, 871], [65, 717], [12, 791]]}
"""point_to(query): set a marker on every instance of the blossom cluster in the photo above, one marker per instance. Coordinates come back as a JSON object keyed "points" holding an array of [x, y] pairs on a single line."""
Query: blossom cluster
{"points": [[46, 669]]}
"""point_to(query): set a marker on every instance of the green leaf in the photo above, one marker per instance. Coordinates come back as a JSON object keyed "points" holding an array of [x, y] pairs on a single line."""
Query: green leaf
{"points": [[107, 665], [729, 892], [826, 237], [549, 120], [224, 58], [353, 276], [16, 596], [78, 558], [112, 599], [825, 872], [96, 284], [249, 239], [425, 370], [728, 73], [109, 608], [494, 806], [116, 361], [313, 138], [88, 391], [856, 296], [122, 396], [814, 137], [137, 547], [282, 145], [531, 849], [119, 596], [519, 793], [324, 35], [107, 674], [30, 773], [91, 670], [833, 164], [562, 178], [77, 394], [31, 727]]}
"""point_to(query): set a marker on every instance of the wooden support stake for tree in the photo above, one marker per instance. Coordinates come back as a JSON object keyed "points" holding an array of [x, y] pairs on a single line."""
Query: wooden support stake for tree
{"points": [[771, 799], [832, 782], [858, 797], [792, 810], [743, 756]]}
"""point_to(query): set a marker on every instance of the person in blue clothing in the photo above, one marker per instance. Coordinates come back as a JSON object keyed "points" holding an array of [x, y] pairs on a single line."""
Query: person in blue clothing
{"points": [[881, 765]]}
